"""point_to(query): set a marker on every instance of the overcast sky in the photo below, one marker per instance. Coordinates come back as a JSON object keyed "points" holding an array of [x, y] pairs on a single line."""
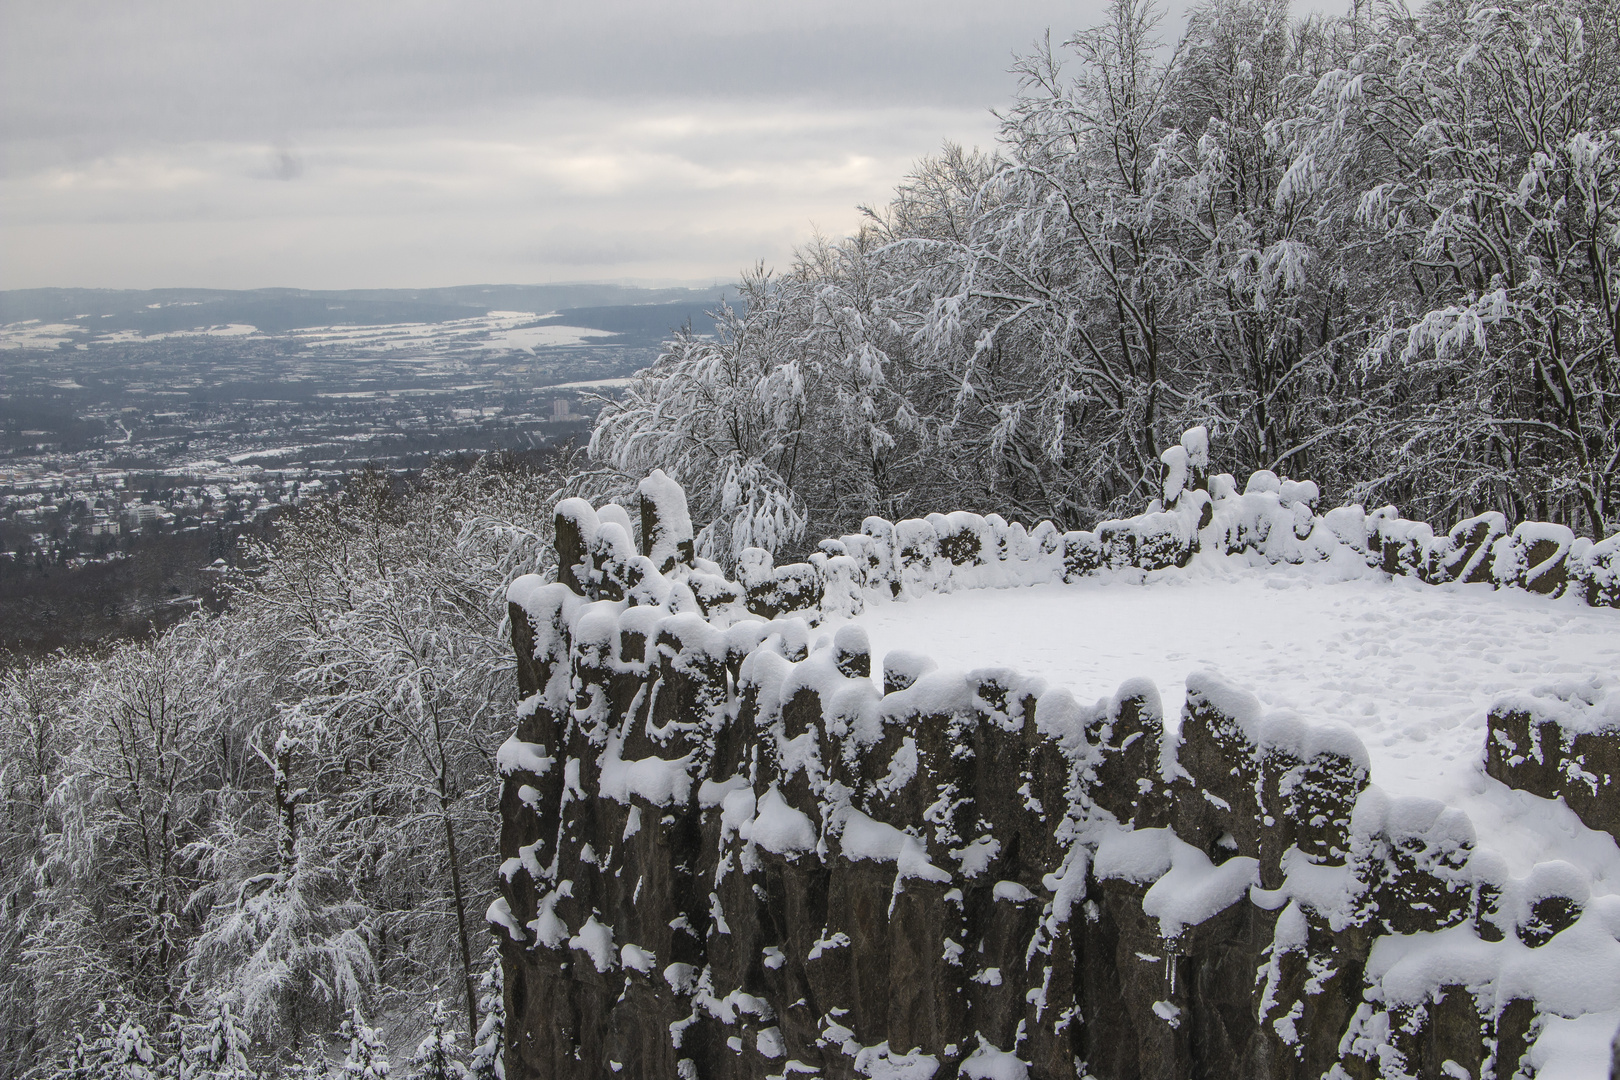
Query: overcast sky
{"points": [[400, 144]]}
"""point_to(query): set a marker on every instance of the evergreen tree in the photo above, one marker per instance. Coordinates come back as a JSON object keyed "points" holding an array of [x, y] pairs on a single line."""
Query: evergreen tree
{"points": [[130, 1055], [221, 1051], [487, 1062], [435, 1057], [310, 1065], [82, 1061], [367, 1058]]}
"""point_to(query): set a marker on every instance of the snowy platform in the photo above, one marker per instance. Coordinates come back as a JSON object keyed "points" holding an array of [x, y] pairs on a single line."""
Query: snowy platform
{"points": [[1412, 668], [1390, 797]]}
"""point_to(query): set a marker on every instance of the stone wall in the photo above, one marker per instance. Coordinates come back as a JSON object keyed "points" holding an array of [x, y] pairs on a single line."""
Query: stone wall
{"points": [[1272, 520], [1561, 744], [728, 853]]}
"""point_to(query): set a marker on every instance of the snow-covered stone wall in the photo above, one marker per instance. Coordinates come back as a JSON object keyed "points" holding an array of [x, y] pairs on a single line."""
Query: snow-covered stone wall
{"points": [[1271, 519], [730, 851]]}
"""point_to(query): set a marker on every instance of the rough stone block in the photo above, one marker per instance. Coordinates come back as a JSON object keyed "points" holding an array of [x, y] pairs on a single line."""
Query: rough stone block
{"points": [[1411, 854], [1125, 780], [1560, 744], [1082, 555], [1465, 555]]}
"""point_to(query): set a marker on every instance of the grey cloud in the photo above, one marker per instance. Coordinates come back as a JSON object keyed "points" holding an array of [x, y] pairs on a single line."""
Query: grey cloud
{"points": [[105, 73], [398, 142], [287, 165]]}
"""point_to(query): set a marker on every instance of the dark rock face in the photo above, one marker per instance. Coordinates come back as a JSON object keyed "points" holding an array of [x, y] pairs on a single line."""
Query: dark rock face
{"points": [[1559, 745], [727, 853]]}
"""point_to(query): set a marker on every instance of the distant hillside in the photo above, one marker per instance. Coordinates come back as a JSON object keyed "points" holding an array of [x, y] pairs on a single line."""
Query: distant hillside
{"points": [[276, 311]]}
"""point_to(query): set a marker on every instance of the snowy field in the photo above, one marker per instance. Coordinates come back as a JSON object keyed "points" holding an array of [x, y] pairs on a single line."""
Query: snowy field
{"points": [[1411, 668], [496, 331]]}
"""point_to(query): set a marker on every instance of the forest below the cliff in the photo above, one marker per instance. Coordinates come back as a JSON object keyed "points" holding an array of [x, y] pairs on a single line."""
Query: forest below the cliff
{"points": [[1381, 252]]}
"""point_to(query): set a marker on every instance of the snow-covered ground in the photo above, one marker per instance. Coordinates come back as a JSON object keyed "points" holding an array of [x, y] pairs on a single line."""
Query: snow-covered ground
{"points": [[1413, 669], [529, 338], [495, 331]]}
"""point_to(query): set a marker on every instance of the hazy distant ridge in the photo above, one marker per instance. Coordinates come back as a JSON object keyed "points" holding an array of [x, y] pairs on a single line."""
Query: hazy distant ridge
{"points": [[274, 311]]}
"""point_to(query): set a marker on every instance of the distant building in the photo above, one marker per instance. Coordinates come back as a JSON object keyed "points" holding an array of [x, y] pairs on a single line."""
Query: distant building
{"points": [[138, 514], [559, 409]]}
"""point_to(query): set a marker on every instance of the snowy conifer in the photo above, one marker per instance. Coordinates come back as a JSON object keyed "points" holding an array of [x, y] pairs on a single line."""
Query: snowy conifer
{"points": [[435, 1057], [82, 1060], [312, 1064], [221, 1049], [487, 1062], [130, 1055], [367, 1058]]}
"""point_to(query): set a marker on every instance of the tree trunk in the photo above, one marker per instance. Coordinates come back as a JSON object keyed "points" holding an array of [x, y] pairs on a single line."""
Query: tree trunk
{"points": [[461, 921], [286, 811]]}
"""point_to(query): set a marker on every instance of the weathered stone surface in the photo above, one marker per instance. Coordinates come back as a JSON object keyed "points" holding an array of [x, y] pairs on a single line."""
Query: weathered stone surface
{"points": [[1082, 555], [699, 927], [1595, 570], [1125, 780], [1465, 556], [666, 526], [1403, 544], [1560, 745], [1534, 557]]}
